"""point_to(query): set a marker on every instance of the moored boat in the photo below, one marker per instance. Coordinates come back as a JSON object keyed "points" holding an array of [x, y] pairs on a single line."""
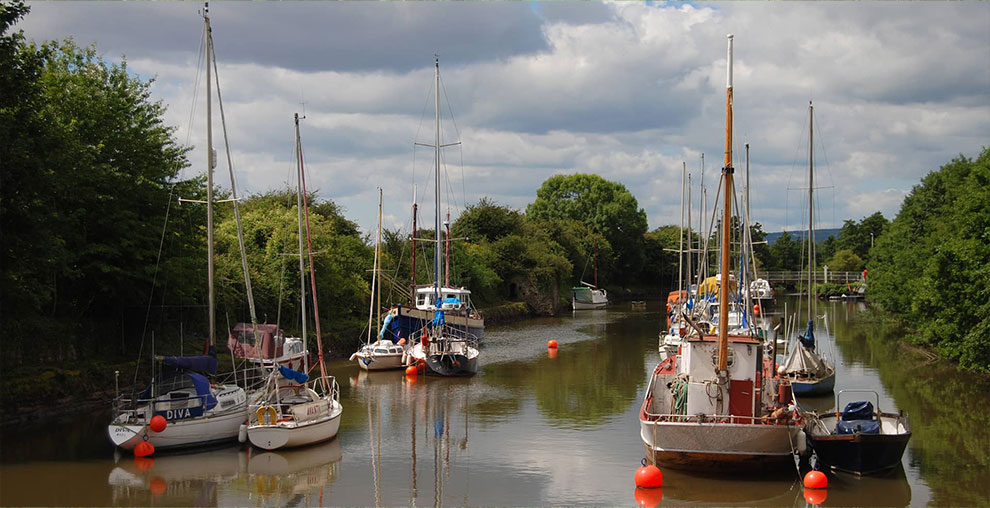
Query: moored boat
{"points": [[861, 439], [288, 412], [714, 406]]}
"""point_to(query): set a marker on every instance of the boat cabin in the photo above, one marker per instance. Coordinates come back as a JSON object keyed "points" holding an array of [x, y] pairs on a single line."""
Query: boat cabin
{"points": [[450, 298]]}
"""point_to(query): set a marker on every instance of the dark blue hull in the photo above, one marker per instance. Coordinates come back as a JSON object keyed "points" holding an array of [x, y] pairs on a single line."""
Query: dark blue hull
{"points": [[409, 322]]}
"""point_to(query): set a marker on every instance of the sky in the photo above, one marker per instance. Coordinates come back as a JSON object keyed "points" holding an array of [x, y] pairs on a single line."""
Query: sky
{"points": [[629, 91]]}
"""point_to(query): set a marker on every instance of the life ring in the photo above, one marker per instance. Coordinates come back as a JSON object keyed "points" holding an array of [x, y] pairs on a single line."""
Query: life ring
{"points": [[262, 411]]}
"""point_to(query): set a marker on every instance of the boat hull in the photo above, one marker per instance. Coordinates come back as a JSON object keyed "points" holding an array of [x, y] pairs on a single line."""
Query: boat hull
{"points": [[380, 362], [409, 321], [859, 453], [290, 434], [575, 305], [452, 365], [727, 447], [182, 433], [823, 386]]}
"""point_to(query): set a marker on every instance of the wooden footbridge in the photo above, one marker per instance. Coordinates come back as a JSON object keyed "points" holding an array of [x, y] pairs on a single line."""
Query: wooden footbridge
{"points": [[821, 276]]}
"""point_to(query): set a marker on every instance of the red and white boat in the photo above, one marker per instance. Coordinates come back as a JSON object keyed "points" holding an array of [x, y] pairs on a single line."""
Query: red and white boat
{"points": [[714, 406]]}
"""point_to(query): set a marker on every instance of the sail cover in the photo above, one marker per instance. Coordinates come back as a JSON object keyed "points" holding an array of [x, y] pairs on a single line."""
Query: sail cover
{"points": [[804, 362], [202, 363]]}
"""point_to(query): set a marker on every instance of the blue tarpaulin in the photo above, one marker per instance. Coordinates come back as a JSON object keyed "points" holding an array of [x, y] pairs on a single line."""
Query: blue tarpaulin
{"points": [[808, 339], [203, 363], [203, 390], [385, 323], [294, 375], [438, 319]]}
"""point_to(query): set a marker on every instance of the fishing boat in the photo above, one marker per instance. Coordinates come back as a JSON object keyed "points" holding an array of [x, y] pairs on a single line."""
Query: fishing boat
{"points": [[713, 407], [861, 439], [289, 412], [444, 343], [189, 408], [384, 353], [809, 372]]}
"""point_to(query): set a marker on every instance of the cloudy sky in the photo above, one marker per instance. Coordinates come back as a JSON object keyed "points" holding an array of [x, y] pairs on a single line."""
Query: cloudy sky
{"points": [[625, 90]]}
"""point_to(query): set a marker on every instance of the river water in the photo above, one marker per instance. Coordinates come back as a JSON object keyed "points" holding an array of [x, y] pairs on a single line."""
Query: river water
{"points": [[533, 428]]}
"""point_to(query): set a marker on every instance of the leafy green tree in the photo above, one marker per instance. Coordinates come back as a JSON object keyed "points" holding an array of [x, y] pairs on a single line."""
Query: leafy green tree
{"points": [[932, 265], [487, 220], [860, 237], [828, 248], [605, 207], [88, 166], [786, 253], [845, 260]]}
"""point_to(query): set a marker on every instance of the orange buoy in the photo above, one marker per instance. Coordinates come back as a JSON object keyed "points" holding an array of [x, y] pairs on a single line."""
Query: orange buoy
{"points": [[649, 477], [648, 498], [158, 423], [402, 342], [815, 480], [552, 344], [756, 309], [815, 497], [144, 463], [158, 486], [412, 371], [143, 449]]}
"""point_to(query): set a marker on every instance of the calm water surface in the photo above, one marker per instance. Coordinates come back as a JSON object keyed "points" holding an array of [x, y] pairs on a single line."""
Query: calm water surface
{"points": [[531, 428]]}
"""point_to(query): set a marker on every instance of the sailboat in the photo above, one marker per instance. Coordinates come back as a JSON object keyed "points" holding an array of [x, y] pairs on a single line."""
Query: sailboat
{"points": [[589, 296], [194, 409], [809, 373], [289, 412], [445, 343], [670, 342], [384, 353], [714, 406]]}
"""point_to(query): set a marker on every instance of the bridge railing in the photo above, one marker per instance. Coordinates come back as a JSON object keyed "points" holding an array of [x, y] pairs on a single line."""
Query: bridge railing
{"points": [[821, 276]]}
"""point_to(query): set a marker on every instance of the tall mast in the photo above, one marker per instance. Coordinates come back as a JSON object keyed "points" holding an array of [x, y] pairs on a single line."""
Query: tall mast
{"points": [[374, 276], [594, 246], [690, 237], [209, 177], [811, 209], [299, 213], [723, 297], [746, 239], [378, 262], [436, 225], [446, 253], [312, 267], [413, 293], [680, 246]]}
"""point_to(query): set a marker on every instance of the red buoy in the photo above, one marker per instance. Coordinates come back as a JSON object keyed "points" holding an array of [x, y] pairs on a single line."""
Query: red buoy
{"points": [[815, 497], [648, 498], [412, 371], [158, 423], [756, 310], [552, 344], [649, 477], [143, 449], [815, 480]]}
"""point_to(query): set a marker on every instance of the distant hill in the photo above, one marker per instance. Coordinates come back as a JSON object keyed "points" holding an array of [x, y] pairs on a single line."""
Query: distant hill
{"points": [[820, 235]]}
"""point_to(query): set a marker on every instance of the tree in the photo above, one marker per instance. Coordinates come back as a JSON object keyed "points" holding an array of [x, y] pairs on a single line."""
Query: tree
{"points": [[487, 220], [845, 260], [604, 207], [932, 265], [88, 166], [860, 237], [786, 253]]}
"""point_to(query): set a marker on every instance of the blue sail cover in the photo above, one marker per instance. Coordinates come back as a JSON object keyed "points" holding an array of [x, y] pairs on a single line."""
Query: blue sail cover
{"points": [[293, 375], [808, 339], [203, 389], [438, 319], [387, 321], [203, 363]]}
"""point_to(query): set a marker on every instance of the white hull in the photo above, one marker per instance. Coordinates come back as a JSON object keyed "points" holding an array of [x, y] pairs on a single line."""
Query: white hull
{"points": [[380, 362], [291, 434], [575, 305], [740, 439], [195, 431], [599, 299]]}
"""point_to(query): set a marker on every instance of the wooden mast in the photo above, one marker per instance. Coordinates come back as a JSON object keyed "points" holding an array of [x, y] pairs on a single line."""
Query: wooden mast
{"points": [[302, 262], [723, 297], [312, 267], [210, 164]]}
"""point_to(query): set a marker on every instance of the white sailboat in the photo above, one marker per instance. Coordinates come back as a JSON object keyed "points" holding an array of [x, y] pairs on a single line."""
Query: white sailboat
{"points": [[289, 412], [713, 406], [194, 410], [384, 353], [808, 371], [447, 347]]}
